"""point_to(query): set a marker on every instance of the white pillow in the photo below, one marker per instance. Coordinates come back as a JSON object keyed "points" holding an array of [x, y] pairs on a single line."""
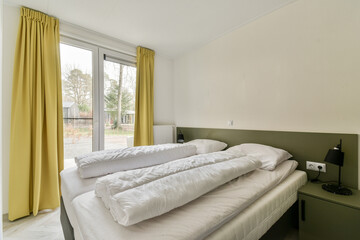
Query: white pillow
{"points": [[207, 145], [269, 156]]}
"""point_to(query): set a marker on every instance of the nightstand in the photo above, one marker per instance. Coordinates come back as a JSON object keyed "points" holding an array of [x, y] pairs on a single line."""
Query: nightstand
{"points": [[324, 215]]}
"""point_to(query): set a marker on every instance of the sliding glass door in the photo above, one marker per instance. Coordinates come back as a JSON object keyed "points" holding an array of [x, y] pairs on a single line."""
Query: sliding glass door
{"points": [[98, 88], [118, 74], [78, 82]]}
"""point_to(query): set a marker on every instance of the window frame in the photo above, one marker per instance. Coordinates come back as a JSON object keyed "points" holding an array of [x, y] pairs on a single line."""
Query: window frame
{"points": [[99, 54], [109, 55]]}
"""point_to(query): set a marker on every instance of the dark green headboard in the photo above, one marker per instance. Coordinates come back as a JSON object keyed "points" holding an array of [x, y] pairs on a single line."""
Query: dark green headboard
{"points": [[302, 145]]}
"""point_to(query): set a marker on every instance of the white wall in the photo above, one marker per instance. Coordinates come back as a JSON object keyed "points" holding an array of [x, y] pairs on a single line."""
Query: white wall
{"points": [[163, 91], [1, 54], [295, 69], [163, 103]]}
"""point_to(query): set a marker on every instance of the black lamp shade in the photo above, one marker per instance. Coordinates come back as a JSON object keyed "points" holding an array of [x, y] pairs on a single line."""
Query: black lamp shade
{"points": [[180, 138], [335, 156]]}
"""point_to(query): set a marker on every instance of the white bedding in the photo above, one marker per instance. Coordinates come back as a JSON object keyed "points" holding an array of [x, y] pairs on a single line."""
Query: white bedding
{"points": [[100, 163], [122, 181], [194, 220], [169, 186], [258, 218], [72, 185]]}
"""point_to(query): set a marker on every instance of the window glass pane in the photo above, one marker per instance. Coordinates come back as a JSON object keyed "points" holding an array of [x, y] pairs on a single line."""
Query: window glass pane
{"points": [[77, 92], [119, 104]]}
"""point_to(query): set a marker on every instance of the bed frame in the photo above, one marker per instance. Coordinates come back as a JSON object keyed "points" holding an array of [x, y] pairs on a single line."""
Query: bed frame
{"points": [[68, 230], [303, 146]]}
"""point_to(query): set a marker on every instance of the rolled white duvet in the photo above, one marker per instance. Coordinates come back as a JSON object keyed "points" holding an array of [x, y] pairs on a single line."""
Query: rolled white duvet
{"points": [[121, 181], [131, 200], [110, 161]]}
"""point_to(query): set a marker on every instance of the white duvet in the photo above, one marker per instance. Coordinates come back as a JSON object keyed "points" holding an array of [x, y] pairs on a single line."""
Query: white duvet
{"points": [[110, 161], [136, 195]]}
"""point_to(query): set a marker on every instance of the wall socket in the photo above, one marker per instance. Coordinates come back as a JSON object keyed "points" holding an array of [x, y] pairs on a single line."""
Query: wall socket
{"points": [[314, 166]]}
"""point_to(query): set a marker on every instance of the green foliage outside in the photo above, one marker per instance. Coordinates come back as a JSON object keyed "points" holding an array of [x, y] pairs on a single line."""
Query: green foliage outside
{"points": [[111, 98], [77, 87]]}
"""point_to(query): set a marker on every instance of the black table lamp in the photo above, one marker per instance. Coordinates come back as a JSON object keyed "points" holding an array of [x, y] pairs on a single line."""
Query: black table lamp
{"points": [[336, 156], [180, 137]]}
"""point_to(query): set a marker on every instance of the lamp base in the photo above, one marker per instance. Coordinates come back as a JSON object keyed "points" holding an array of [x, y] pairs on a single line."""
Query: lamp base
{"points": [[336, 189]]}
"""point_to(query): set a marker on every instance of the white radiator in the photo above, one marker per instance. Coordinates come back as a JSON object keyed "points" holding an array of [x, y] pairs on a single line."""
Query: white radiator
{"points": [[163, 134]]}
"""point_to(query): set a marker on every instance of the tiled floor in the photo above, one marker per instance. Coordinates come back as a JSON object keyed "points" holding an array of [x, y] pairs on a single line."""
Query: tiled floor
{"points": [[45, 226]]}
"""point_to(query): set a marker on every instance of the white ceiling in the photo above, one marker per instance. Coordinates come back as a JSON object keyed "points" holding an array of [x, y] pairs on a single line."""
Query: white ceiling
{"points": [[170, 27]]}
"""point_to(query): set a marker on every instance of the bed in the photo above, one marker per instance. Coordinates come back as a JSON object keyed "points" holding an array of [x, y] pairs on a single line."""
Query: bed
{"points": [[262, 213], [83, 215]]}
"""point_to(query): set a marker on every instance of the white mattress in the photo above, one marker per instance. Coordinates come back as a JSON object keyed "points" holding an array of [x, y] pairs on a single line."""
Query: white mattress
{"points": [[202, 216], [255, 220], [72, 185]]}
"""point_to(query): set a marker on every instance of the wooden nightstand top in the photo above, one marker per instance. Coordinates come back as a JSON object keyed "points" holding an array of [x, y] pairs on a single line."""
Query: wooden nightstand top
{"points": [[315, 190]]}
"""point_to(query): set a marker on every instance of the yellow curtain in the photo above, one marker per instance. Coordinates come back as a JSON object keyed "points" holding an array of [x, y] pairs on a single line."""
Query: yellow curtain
{"points": [[36, 142], [144, 99]]}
